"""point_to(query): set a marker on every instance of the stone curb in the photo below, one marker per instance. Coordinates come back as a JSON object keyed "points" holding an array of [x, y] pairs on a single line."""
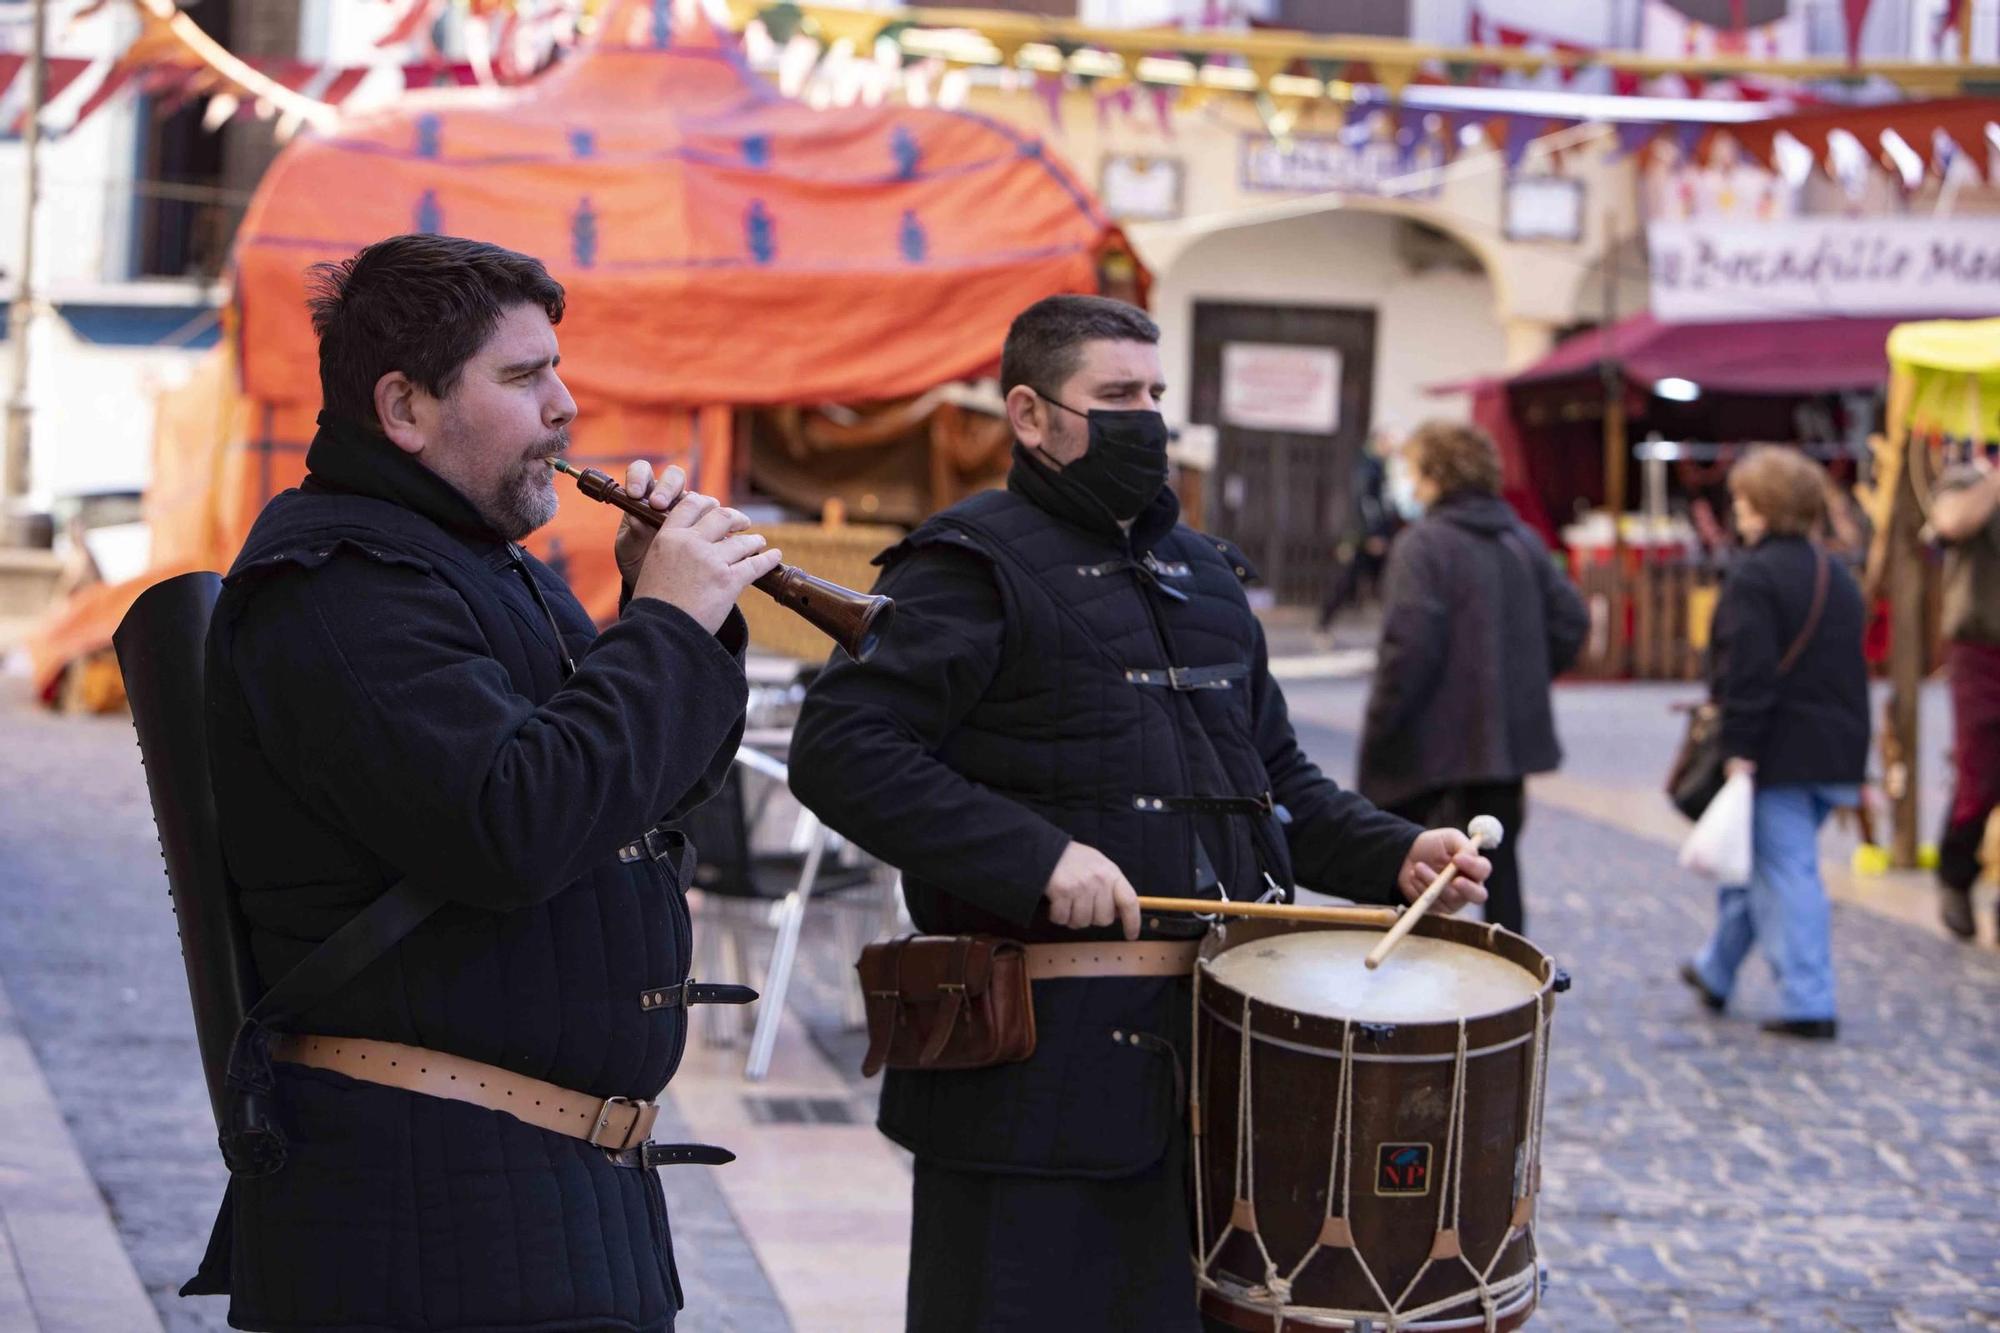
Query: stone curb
{"points": [[62, 1268]]}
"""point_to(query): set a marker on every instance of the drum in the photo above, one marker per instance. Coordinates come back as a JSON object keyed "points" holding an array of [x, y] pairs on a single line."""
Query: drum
{"points": [[1367, 1145]]}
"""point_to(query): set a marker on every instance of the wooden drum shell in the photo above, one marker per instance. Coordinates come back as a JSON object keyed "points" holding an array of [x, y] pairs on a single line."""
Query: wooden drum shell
{"points": [[1403, 1085]]}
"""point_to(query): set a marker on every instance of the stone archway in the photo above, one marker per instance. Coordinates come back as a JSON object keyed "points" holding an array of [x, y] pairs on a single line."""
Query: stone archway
{"points": [[1382, 294]]}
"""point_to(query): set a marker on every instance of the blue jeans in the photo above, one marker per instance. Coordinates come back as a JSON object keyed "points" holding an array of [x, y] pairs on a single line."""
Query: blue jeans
{"points": [[1784, 906]]}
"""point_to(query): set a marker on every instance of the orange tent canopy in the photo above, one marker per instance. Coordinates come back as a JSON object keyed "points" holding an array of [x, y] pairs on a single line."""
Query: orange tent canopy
{"points": [[721, 245], [719, 242]]}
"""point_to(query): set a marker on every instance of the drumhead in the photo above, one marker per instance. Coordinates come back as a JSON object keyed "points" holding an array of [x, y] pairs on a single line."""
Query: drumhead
{"points": [[1425, 980]]}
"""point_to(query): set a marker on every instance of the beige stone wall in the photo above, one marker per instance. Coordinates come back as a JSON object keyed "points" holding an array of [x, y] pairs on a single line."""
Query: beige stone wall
{"points": [[1435, 324], [1431, 326]]}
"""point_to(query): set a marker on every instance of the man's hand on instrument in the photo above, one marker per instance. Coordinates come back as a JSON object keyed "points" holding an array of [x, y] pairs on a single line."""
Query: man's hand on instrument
{"points": [[1430, 854], [635, 537], [1088, 889], [701, 559]]}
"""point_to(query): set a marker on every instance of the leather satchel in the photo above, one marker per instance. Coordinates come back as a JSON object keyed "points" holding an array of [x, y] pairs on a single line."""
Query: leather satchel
{"points": [[943, 1002], [1699, 768]]}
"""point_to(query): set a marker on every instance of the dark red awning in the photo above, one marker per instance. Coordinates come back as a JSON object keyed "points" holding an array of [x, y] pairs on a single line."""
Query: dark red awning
{"points": [[1788, 356], [1745, 357]]}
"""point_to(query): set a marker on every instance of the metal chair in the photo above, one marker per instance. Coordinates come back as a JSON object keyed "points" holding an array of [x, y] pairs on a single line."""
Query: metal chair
{"points": [[749, 891]]}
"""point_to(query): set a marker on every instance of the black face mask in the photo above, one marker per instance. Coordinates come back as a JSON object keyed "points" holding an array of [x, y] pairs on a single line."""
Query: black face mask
{"points": [[1125, 465]]}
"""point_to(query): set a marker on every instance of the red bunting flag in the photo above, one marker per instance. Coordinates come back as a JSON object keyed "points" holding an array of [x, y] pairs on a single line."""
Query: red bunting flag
{"points": [[1957, 15], [1855, 12]]}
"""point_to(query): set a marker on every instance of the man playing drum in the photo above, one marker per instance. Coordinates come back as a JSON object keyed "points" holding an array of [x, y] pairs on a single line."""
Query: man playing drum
{"points": [[1073, 700]]}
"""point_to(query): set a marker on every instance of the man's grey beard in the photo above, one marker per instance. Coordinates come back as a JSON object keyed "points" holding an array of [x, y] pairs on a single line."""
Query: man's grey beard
{"points": [[529, 504], [529, 500]]}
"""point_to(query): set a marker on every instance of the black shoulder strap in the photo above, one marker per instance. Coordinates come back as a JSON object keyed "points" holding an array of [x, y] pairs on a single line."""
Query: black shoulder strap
{"points": [[341, 957], [253, 1142]]}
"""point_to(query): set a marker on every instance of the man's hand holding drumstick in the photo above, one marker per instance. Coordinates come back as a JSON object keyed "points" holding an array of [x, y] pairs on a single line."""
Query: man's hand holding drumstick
{"points": [[1484, 832], [1430, 854]]}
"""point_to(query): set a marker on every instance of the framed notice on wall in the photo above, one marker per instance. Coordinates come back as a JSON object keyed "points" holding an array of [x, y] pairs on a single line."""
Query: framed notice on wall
{"points": [[1140, 189], [1281, 386], [1544, 208]]}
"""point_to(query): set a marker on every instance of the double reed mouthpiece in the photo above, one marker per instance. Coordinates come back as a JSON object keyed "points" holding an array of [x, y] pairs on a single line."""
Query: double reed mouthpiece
{"points": [[854, 620]]}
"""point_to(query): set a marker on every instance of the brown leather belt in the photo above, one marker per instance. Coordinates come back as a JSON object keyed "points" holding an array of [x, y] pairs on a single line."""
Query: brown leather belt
{"points": [[1146, 958], [611, 1123]]}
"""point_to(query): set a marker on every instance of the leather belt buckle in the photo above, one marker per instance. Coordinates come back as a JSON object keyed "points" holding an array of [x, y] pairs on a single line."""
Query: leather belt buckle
{"points": [[691, 992], [667, 997], [604, 1121], [655, 844]]}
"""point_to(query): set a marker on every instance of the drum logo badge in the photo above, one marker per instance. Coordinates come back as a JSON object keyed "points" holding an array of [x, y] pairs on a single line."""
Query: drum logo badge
{"points": [[1402, 1169]]}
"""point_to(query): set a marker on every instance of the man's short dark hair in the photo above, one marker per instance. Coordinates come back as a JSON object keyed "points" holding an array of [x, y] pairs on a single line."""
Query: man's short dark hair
{"points": [[420, 304], [1045, 345]]}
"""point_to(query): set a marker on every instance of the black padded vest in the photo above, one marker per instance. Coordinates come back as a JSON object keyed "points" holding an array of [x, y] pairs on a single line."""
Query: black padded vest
{"points": [[1124, 690]]}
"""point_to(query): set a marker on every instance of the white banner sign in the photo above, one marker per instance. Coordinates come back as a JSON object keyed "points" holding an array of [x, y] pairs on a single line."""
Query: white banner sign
{"points": [[1369, 165], [1807, 267], [1279, 386]]}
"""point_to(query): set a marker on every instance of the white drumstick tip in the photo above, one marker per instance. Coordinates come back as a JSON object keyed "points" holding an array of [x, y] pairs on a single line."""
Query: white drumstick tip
{"points": [[1485, 831]]}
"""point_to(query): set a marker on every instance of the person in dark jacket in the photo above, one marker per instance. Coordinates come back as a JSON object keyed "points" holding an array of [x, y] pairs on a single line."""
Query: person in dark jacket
{"points": [[1800, 728], [1965, 515], [1477, 621], [1073, 700], [398, 692], [1365, 550]]}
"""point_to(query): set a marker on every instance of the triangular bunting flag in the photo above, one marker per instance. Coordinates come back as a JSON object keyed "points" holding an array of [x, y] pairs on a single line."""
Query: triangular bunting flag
{"points": [[1633, 137]]}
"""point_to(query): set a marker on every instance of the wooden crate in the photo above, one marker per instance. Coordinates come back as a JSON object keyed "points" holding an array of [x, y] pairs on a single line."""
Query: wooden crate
{"points": [[1664, 608]]}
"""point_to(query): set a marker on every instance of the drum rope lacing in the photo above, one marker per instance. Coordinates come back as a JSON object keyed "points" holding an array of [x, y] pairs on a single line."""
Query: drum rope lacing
{"points": [[1335, 1229]]}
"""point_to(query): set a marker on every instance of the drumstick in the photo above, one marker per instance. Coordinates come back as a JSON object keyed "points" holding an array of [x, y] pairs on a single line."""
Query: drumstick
{"points": [[1485, 832], [1339, 916]]}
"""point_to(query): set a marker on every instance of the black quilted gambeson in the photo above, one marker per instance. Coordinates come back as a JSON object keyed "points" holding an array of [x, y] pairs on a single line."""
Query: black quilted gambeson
{"points": [[388, 697]]}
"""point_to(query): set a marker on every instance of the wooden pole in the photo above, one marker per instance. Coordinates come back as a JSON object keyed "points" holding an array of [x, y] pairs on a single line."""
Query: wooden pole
{"points": [[1903, 585], [14, 475], [1616, 453], [1906, 674]]}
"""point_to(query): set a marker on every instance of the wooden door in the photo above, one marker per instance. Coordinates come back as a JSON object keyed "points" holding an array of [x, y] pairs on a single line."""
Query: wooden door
{"points": [[1287, 444]]}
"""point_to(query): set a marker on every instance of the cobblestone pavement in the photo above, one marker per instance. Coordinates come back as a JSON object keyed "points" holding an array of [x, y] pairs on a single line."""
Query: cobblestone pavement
{"points": [[1700, 1175], [1704, 1175], [88, 955]]}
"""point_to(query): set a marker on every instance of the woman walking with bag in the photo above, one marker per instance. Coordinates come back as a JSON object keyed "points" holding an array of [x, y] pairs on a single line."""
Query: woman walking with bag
{"points": [[1786, 671]]}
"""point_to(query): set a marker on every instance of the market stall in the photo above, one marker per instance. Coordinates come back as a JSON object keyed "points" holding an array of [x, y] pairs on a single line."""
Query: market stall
{"points": [[1944, 406], [1642, 420], [723, 248]]}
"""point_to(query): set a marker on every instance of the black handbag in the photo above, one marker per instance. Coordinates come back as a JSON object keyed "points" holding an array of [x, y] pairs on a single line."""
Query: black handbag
{"points": [[1699, 769], [1697, 774]]}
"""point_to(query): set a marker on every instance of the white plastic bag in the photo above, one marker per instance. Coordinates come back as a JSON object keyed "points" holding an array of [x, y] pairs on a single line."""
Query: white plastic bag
{"points": [[1719, 846]]}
